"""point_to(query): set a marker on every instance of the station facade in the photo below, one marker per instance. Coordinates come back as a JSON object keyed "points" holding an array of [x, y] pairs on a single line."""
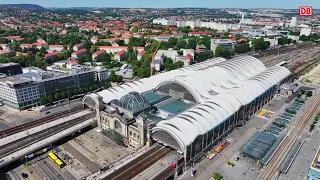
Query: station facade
{"points": [[191, 108]]}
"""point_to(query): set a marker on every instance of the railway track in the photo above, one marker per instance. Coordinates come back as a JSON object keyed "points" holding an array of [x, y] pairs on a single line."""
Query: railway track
{"points": [[139, 164], [38, 122], [272, 168], [164, 174], [24, 142], [91, 166]]}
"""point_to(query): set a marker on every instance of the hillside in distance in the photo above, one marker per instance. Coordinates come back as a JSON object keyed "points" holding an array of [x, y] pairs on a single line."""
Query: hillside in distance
{"points": [[27, 6]]}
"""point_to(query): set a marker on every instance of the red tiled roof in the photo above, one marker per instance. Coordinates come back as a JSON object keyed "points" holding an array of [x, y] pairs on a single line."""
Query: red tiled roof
{"points": [[40, 44], [71, 61], [25, 45], [77, 45], [80, 51], [99, 52], [113, 47], [12, 37], [21, 53], [52, 54], [149, 36], [55, 46], [162, 35], [110, 39], [4, 51], [121, 52], [137, 47], [142, 53], [177, 34], [19, 39], [188, 57]]}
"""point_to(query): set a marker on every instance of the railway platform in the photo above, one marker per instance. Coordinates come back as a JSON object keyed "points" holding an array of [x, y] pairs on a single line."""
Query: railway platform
{"points": [[157, 168]]}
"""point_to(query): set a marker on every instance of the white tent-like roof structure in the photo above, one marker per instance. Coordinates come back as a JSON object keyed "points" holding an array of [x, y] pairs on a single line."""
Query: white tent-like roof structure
{"points": [[220, 86]]}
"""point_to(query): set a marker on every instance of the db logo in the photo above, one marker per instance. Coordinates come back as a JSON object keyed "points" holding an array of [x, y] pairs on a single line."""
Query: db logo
{"points": [[305, 11]]}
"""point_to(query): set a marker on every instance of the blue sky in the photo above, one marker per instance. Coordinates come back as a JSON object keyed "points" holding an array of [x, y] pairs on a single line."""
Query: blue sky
{"points": [[171, 3]]}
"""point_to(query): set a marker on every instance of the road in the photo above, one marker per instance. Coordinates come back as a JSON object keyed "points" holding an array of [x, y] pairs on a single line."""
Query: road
{"points": [[41, 167], [271, 170]]}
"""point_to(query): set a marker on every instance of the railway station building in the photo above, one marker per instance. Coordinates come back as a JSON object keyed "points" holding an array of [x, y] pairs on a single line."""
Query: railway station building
{"points": [[191, 108]]}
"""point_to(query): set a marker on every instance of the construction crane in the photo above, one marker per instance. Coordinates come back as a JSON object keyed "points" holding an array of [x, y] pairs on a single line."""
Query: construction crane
{"points": [[152, 68]]}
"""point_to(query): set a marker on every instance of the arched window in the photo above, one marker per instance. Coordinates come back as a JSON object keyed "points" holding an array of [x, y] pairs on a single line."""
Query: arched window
{"points": [[130, 133], [138, 137], [117, 126]]}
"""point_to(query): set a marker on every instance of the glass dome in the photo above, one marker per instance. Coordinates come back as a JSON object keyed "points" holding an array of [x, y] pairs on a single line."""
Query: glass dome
{"points": [[134, 102]]}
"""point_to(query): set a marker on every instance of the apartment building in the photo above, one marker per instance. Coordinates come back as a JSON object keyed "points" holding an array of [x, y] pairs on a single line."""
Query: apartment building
{"points": [[164, 22], [79, 53], [19, 93], [77, 47], [120, 55], [51, 55], [97, 55]]}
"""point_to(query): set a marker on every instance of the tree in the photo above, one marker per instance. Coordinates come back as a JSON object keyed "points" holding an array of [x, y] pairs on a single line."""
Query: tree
{"points": [[181, 43], [107, 84], [81, 91], [43, 50], [43, 101], [63, 95], [203, 56], [260, 44], [192, 43], [242, 48], [95, 86], [284, 40], [217, 176], [185, 30], [309, 93], [172, 42], [143, 72], [114, 78], [94, 49], [61, 56], [50, 99], [57, 97], [120, 42], [85, 89], [91, 88]]}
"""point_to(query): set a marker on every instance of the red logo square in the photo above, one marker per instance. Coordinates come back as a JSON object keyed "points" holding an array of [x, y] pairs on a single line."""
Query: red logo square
{"points": [[305, 10]]}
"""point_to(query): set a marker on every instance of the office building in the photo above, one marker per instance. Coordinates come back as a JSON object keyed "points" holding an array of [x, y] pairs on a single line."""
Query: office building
{"points": [[50, 82], [10, 69], [225, 43], [19, 93], [101, 74]]}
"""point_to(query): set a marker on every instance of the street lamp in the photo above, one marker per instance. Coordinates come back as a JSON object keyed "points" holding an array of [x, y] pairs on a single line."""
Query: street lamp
{"points": [[26, 163]]}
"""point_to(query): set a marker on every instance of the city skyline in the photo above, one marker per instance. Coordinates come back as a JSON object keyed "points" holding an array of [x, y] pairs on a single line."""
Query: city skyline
{"points": [[294, 4]]}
